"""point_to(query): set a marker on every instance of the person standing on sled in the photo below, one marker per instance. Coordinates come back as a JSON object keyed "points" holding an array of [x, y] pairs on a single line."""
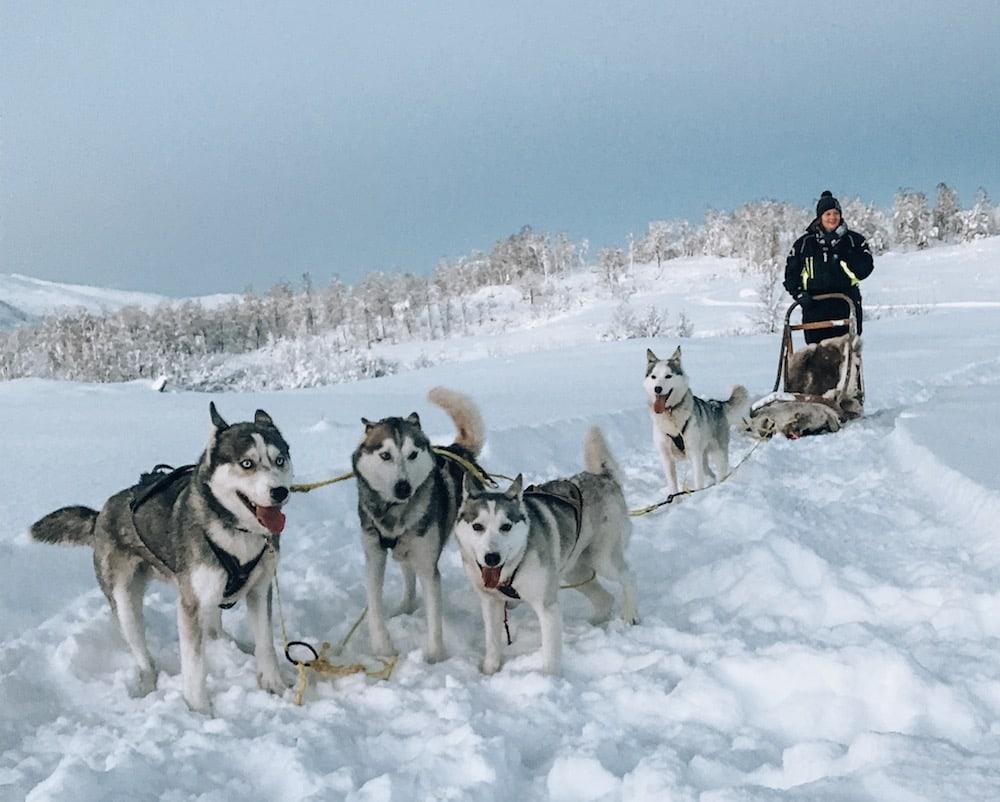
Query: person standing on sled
{"points": [[829, 257]]}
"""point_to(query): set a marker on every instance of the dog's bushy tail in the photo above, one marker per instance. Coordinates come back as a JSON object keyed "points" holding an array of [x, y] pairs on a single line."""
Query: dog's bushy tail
{"points": [[597, 456], [69, 526], [737, 406], [468, 422]]}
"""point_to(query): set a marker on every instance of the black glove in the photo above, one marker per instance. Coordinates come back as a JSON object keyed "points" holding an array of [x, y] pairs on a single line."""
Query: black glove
{"points": [[804, 298]]}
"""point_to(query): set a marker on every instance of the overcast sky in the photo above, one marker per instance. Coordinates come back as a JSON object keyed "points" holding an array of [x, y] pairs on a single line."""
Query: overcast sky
{"points": [[188, 148]]}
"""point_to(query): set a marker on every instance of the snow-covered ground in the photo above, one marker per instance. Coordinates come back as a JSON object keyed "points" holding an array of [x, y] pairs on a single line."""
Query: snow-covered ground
{"points": [[823, 626]]}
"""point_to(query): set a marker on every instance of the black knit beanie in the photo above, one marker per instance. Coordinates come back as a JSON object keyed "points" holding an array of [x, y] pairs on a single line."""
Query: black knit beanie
{"points": [[826, 203]]}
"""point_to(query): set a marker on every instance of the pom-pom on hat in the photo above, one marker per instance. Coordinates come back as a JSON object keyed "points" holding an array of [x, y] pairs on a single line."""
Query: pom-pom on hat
{"points": [[826, 203]]}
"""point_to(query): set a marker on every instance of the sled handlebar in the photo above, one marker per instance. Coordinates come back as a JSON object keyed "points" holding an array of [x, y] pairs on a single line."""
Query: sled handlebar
{"points": [[851, 321]]}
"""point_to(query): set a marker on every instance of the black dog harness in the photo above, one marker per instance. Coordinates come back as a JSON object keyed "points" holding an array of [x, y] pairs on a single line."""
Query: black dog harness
{"points": [[237, 573], [156, 481], [679, 438]]}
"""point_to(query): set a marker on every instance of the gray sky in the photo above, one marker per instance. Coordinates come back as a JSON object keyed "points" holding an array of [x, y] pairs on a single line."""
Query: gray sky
{"points": [[188, 148]]}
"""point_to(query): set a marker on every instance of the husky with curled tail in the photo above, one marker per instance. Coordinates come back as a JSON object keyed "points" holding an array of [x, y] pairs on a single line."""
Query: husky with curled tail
{"points": [[523, 543], [686, 427], [211, 529], [408, 496]]}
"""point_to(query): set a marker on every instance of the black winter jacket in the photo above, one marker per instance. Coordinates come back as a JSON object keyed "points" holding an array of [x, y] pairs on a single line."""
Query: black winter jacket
{"points": [[834, 262]]}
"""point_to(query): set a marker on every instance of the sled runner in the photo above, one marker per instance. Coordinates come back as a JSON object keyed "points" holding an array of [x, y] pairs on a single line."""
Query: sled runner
{"points": [[819, 387]]}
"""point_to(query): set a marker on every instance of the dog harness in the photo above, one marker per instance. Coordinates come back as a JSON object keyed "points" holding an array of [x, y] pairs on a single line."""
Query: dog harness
{"points": [[237, 573], [156, 481], [678, 439]]}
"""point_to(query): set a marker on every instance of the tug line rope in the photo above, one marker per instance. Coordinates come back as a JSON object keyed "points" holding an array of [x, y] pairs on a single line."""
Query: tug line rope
{"points": [[669, 499]]}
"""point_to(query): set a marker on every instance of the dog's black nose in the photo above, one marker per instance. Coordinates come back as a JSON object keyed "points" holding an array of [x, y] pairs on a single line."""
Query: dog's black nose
{"points": [[402, 489], [658, 390], [492, 559], [279, 494]]}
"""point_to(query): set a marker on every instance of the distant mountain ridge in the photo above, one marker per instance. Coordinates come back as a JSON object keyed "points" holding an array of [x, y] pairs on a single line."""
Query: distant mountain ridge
{"points": [[24, 298]]}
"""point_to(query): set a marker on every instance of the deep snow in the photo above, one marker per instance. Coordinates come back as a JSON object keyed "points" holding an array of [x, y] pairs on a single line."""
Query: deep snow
{"points": [[823, 626]]}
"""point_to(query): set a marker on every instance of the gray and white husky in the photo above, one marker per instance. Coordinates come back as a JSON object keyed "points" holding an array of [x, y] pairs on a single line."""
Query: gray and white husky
{"points": [[206, 528], [522, 543], [688, 427], [408, 497]]}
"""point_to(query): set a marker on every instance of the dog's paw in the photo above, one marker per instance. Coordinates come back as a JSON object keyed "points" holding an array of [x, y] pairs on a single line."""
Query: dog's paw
{"points": [[631, 618], [201, 704], [271, 681], [435, 655], [490, 665], [146, 683], [382, 647]]}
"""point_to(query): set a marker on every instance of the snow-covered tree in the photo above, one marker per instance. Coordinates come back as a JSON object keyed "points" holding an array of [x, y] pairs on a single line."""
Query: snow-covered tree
{"points": [[612, 270], [662, 242], [979, 221], [717, 238], [911, 219], [947, 214], [869, 221], [771, 301]]}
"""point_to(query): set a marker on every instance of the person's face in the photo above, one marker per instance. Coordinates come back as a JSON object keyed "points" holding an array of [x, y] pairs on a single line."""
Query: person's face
{"points": [[830, 219]]}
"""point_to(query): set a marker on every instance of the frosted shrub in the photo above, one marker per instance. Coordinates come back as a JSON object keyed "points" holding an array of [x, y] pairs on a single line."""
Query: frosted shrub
{"points": [[626, 325], [621, 324], [684, 327], [421, 362]]}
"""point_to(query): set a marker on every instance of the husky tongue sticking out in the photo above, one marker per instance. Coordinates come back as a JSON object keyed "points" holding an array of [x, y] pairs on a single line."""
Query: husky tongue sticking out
{"points": [[660, 404], [271, 518], [491, 575]]}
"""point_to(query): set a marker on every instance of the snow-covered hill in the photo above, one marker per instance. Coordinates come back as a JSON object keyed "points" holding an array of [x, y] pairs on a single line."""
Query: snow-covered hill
{"points": [[822, 626], [23, 298], [34, 297]]}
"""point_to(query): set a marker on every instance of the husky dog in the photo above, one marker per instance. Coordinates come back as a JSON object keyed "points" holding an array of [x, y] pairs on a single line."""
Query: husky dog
{"points": [[207, 528], [688, 427], [407, 500], [520, 544]]}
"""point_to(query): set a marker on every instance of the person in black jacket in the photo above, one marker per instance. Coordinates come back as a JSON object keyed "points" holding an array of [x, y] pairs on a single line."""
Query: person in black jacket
{"points": [[829, 257]]}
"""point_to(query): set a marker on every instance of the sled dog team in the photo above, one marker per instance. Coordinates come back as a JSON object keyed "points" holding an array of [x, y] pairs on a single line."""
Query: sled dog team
{"points": [[213, 528]]}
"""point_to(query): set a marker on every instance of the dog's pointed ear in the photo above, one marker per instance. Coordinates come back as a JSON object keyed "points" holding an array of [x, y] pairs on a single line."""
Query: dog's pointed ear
{"points": [[676, 355], [516, 487], [471, 486], [413, 418], [261, 418], [368, 425], [217, 420], [651, 357]]}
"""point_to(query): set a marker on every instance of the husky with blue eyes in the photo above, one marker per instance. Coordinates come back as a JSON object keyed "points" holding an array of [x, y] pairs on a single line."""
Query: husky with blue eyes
{"points": [[686, 427], [211, 529], [408, 497], [520, 544]]}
